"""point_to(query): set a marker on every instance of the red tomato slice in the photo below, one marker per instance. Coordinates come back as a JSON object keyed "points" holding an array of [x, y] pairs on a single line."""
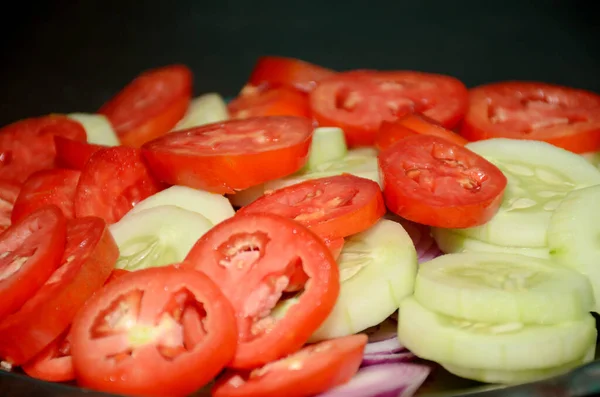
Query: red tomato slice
{"points": [[9, 191], [270, 102], [562, 116], [391, 132], [27, 146], [359, 101], [30, 250], [331, 207], [277, 71], [335, 246], [89, 257], [435, 182], [306, 373], [112, 182], [73, 154], [116, 274], [54, 363], [153, 332], [47, 187], [233, 155], [151, 105], [255, 259]]}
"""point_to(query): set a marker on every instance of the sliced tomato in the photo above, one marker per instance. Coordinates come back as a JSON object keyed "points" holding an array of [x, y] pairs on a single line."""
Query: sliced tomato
{"points": [[277, 71], [151, 105], [391, 132], [73, 154], [27, 146], [306, 373], [335, 246], [116, 274], [233, 155], [89, 257], [54, 363], [45, 187], [358, 101], [9, 191], [30, 251], [269, 102], [255, 259], [562, 116], [154, 332], [112, 182], [435, 182], [331, 207]]}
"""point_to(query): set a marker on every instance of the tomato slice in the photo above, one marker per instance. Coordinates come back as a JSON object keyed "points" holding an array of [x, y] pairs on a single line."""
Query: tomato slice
{"points": [[391, 132], [255, 260], [331, 207], [233, 155], [435, 182], [277, 71], [73, 154], [308, 372], [269, 102], [9, 191], [358, 101], [27, 146], [154, 332], [335, 246], [150, 105], [89, 257], [30, 250], [116, 274], [562, 116], [54, 363], [112, 182], [45, 187]]}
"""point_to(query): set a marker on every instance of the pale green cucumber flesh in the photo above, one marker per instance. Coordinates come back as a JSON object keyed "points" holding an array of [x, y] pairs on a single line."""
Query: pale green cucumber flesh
{"points": [[328, 144], [98, 129], [205, 109]]}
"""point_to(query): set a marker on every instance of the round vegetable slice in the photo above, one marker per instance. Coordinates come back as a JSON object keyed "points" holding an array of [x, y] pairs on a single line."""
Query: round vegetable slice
{"points": [[279, 101], [435, 182], [518, 288], [233, 155], [328, 144], [562, 116], [30, 250], [54, 363], [539, 176], [89, 257], [289, 72], [306, 373], [332, 207], [97, 127], [358, 101], [377, 270], [154, 332], [497, 346], [205, 109], [255, 260], [157, 236], [112, 182], [9, 191], [73, 154]]}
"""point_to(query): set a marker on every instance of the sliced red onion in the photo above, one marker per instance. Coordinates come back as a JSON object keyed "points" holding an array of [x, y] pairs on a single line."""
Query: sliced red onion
{"points": [[432, 253], [386, 346], [386, 380], [386, 358], [425, 245], [385, 330]]}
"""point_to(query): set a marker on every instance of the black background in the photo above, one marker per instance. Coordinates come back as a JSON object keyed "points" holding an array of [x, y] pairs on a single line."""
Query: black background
{"points": [[68, 55]]}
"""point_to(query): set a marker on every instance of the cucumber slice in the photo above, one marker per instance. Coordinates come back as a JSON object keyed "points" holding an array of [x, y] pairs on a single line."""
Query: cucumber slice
{"points": [[573, 235], [502, 288], [450, 242], [214, 207], [508, 346], [97, 127], [523, 376], [539, 176], [377, 270], [328, 144], [157, 236], [592, 158], [205, 109]]}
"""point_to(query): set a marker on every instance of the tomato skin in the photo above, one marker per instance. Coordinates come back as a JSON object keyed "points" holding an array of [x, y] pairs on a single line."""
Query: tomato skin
{"points": [[46, 187], [305, 373], [89, 257], [164, 93], [391, 132], [9, 191], [116, 274], [27, 146], [42, 232], [275, 71], [434, 182], [335, 246], [279, 101], [73, 154], [534, 111], [357, 205], [225, 157], [147, 372], [112, 182], [54, 363], [286, 251]]}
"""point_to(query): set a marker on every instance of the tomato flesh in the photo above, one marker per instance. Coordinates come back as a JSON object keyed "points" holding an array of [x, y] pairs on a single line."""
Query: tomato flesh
{"points": [[269, 102], [276, 71], [9, 191], [54, 363], [73, 154]]}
